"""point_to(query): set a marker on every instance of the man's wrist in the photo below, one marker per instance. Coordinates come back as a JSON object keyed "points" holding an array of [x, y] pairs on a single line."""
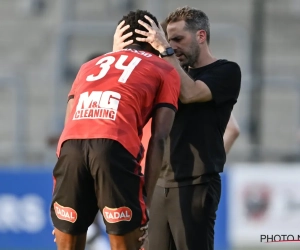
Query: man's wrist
{"points": [[168, 52], [163, 48]]}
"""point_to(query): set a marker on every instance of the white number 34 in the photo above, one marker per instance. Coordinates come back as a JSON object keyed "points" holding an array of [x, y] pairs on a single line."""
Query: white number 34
{"points": [[106, 62]]}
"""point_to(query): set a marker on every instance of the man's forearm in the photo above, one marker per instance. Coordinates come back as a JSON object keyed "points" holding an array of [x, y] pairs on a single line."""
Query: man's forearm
{"points": [[229, 139], [154, 159], [190, 91], [187, 83], [232, 132]]}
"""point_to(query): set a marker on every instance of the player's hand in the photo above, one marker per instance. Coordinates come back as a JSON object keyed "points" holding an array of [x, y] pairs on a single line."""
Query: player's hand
{"points": [[119, 38], [144, 236], [155, 35]]}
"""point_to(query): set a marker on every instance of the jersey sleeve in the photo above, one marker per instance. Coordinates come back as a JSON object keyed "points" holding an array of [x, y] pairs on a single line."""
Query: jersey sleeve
{"points": [[75, 84], [168, 92], [224, 83]]}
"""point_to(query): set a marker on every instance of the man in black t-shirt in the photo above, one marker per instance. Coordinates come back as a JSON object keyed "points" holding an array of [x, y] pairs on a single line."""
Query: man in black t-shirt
{"points": [[185, 201]]}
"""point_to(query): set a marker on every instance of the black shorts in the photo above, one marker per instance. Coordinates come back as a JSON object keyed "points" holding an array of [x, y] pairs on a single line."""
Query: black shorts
{"points": [[183, 218], [97, 174]]}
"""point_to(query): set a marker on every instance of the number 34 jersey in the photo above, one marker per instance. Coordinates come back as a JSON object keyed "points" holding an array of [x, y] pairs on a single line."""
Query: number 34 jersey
{"points": [[115, 95]]}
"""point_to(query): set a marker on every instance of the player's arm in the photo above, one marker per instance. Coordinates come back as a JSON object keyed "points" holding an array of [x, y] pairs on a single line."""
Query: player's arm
{"points": [[166, 104], [162, 122], [71, 96], [232, 132], [70, 106]]}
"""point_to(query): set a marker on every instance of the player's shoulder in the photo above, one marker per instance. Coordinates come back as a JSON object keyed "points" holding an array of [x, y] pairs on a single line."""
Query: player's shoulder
{"points": [[143, 54], [131, 52], [160, 61], [148, 58], [162, 67], [91, 62]]}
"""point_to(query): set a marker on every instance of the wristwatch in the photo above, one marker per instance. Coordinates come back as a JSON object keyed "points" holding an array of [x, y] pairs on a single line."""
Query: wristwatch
{"points": [[168, 52]]}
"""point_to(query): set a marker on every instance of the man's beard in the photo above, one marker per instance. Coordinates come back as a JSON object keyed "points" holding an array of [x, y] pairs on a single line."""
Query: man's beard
{"points": [[192, 56]]}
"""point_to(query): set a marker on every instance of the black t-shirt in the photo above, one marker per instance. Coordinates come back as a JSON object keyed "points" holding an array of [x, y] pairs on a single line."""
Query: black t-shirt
{"points": [[196, 139]]}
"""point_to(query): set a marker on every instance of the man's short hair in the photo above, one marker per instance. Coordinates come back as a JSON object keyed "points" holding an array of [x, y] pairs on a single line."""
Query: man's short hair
{"points": [[164, 25], [132, 19], [195, 19]]}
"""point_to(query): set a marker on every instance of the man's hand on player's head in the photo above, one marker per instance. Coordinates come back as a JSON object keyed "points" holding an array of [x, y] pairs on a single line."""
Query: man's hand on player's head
{"points": [[155, 35], [119, 38]]}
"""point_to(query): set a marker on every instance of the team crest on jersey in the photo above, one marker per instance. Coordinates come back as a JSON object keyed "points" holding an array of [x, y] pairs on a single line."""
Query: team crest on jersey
{"points": [[65, 213], [114, 215], [97, 105]]}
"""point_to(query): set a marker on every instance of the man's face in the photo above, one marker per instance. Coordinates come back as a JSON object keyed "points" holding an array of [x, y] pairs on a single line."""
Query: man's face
{"points": [[184, 42]]}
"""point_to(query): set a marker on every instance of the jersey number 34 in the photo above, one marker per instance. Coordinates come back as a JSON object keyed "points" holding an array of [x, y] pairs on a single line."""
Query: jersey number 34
{"points": [[105, 64]]}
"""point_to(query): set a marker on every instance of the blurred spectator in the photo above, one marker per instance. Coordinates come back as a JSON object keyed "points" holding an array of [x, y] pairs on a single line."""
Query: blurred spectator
{"points": [[34, 7]]}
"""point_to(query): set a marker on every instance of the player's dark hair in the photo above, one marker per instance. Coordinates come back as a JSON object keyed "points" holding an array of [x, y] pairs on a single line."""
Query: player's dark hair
{"points": [[132, 19], [195, 19]]}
